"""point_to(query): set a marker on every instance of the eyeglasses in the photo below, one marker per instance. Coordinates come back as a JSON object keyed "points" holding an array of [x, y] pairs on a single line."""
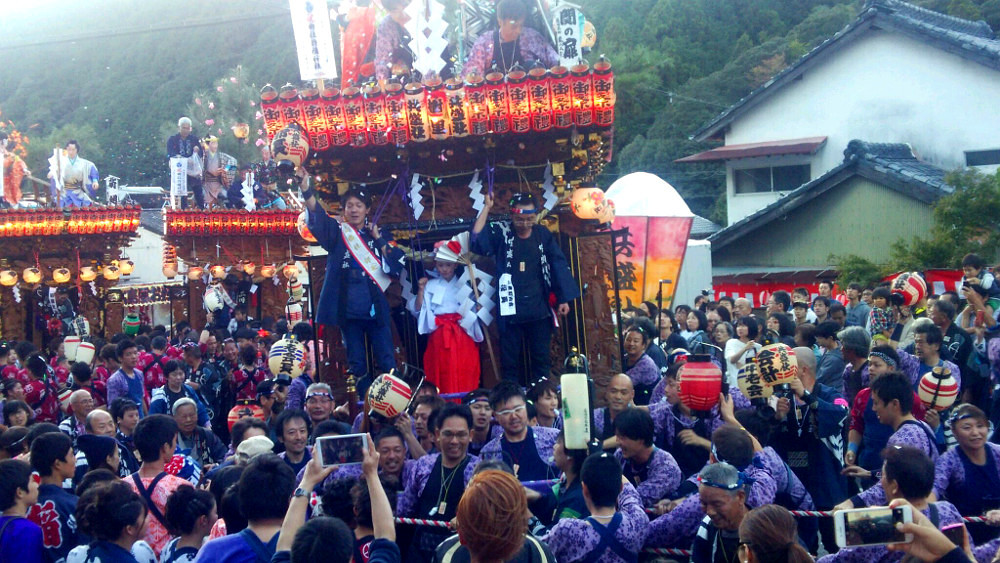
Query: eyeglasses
{"points": [[509, 412], [454, 435]]}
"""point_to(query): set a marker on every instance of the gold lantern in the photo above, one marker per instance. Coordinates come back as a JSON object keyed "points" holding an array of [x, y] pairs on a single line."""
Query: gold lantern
{"points": [[88, 274], [170, 270], [218, 271], [249, 267], [126, 266], [61, 275], [267, 270], [111, 272], [8, 278], [290, 270], [241, 130], [31, 275], [195, 272]]}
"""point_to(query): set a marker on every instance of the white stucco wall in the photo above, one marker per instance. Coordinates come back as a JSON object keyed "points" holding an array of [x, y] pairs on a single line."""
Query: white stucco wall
{"points": [[884, 87]]}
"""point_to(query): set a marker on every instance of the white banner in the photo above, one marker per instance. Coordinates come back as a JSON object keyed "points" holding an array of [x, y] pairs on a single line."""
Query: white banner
{"points": [[313, 39], [567, 21], [178, 176]]}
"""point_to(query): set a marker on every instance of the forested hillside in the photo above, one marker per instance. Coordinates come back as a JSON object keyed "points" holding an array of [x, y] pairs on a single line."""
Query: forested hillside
{"points": [[116, 74]]}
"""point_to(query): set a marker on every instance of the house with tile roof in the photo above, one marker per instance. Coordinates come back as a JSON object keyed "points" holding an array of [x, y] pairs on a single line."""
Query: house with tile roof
{"points": [[896, 74]]}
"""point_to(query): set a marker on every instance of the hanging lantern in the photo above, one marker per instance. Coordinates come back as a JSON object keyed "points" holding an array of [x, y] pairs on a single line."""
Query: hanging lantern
{"points": [[290, 104], [437, 104], [908, 289], [213, 298], [295, 290], [269, 107], [249, 267], [378, 122], [8, 278], [218, 271], [540, 99], [333, 110], [354, 113], [582, 87], [241, 130], [517, 94], [127, 266], [288, 144], [395, 111], [562, 97], [777, 364], [244, 409], [268, 270], [169, 270], [290, 270], [130, 324], [287, 357], [938, 389], [80, 326], [315, 120], [61, 275], [588, 202], [608, 216], [88, 274], [496, 101], [458, 114], [416, 112], [111, 272], [478, 108], [389, 395], [700, 383], [195, 273], [85, 352], [70, 345], [303, 228], [752, 386], [31, 275], [604, 94], [293, 311]]}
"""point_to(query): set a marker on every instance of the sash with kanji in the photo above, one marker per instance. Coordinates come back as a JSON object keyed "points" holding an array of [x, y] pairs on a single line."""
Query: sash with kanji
{"points": [[364, 256]]}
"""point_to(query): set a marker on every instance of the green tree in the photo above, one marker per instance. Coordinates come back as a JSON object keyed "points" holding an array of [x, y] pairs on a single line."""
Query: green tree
{"points": [[853, 268]]}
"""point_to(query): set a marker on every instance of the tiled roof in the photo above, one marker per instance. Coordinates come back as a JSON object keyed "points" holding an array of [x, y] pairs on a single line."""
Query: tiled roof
{"points": [[702, 228], [968, 39], [808, 145], [152, 219], [891, 164]]}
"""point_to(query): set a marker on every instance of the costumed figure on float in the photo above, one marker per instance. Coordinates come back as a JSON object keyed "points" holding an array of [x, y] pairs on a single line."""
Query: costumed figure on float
{"points": [[73, 180], [13, 173]]}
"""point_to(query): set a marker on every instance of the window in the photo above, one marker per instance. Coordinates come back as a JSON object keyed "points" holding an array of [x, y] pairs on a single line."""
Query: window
{"points": [[982, 158], [770, 178]]}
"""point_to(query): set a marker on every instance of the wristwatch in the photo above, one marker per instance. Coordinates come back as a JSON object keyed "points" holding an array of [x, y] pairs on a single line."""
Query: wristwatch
{"points": [[299, 492]]}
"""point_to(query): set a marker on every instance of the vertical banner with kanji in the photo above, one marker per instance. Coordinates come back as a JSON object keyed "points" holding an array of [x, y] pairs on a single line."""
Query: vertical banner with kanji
{"points": [[178, 179], [313, 39], [568, 26]]}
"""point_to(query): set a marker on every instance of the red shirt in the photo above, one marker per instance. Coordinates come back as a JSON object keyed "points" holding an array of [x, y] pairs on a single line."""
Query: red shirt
{"points": [[101, 374], [151, 366], [245, 384], [98, 390], [13, 372], [861, 402], [42, 398]]}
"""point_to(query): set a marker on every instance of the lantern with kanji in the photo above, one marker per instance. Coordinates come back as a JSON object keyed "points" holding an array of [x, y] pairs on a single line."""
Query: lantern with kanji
{"points": [[908, 289], [437, 107], [293, 311], [290, 104], [700, 383], [458, 112], [244, 409], [287, 357], [378, 122], [213, 300], [752, 385], [777, 364], [540, 99], [582, 88], [271, 110], [354, 113], [562, 97], [288, 144], [496, 100], [333, 111], [395, 112], [520, 105], [8, 278], [938, 389], [588, 202], [477, 108], [389, 395], [61, 275], [416, 112], [604, 94], [315, 120]]}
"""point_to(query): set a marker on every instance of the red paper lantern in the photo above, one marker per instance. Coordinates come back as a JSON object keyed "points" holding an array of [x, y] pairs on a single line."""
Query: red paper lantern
{"points": [[562, 97], [291, 104], [457, 111], [700, 383], [270, 108], [378, 122], [354, 113], [395, 111], [520, 106], [333, 111], [478, 108], [437, 104], [777, 364], [604, 94], [416, 112], [582, 86], [910, 288], [315, 120], [540, 99], [496, 100]]}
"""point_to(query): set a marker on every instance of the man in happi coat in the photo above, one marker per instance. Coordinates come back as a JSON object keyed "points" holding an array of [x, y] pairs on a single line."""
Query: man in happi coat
{"points": [[79, 176]]}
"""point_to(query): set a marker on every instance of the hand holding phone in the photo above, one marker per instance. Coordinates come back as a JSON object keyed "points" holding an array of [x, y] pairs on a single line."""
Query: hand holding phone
{"points": [[872, 526], [341, 450]]}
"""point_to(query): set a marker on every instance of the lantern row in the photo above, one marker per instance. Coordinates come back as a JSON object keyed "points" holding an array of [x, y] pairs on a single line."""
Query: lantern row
{"points": [[34, 275], [73, 221], [520, 102], [242, 222]]}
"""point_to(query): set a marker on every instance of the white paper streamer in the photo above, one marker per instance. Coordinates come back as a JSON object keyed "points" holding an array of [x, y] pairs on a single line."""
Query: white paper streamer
{"points": [[247, 192], [427, 28], [93, 288], [476, 193], [549, 190], [17, 293], [407, 294], [415, 197]]}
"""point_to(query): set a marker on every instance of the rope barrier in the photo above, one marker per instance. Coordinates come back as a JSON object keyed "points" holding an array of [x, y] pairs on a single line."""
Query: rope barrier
{"points": [[829, 513], [423, 522]]}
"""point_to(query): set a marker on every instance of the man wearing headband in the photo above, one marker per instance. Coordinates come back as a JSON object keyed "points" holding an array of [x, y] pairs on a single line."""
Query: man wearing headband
{"points": [[484, 428], [722, 489], [358, 271], [530, 267]]}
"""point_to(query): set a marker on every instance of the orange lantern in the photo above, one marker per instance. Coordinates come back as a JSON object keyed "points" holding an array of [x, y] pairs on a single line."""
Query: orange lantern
{"points": [[496, 100], [777, 364], [111, 272], [479, 113], [170, 270], [127, 266], [270, 108], [700, 383], [290, 104], [267, 270], [241, 130], [354, 113], [416, 112], [303, 228], [395, 110], [8, 278], [604, 94], [249, 267], [582, 87], [218, 271], [520, 105], [437, 104], [195, 273], [457, 110], [315, 120], [378, 123], [290, 270], [333, 111], [540, 99]]}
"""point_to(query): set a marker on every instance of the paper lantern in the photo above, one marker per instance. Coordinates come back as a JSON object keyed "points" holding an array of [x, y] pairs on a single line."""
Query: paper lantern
{"points": [[244, 409], [80, 326], [85, 352], [909, 289], [354, 114], [295, 288], [268, 270], [496, 101], [269, 107], [290, 270], [604, 94], [31, 275], [582, 87], [61, 275], [608, 215], [478, 108], [751, 385], [241, 130], [288, 357], [938, 389], [293, 311], [314, 119], [88, 274], [378, 122], [290, 144], [562, 97], [700, 383], [249, 267], [8, 278], [389, 395], [126, 266], [540, 99], [130, 324], [214, 300], [333, 111], [416, 112], [169, 271], [576, 409], [63, 395], [777, 364], [290, 105], [195, 273], [395, 113], [218, 271], [457, 110], [588, 202], [437, 103], [70, 345], [517, 96]]}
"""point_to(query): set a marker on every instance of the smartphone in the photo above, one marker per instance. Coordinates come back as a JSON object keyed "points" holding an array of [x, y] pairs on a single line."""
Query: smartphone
{"points": [[342, 450], [980, 318], [955, 533], [871, 526]]}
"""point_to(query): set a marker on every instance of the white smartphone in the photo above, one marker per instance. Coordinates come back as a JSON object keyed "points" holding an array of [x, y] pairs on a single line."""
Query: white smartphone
{"points": [[871, 526], [348, 449]]}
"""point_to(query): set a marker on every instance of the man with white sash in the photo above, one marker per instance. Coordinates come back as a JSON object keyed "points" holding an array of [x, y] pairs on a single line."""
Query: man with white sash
{"points": [[358, 267], [530, 267]]}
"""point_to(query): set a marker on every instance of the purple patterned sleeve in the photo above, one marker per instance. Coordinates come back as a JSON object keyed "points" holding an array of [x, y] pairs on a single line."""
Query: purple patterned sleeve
{"points": [[539, 49], [948, 470], [677, 527], [491, 450], [986, 552], [663, 422], [572, 539], [644, 372], [479, 55], [663, 479], [763, 488], [545, 442], [599, 421], [117, 387], [659, 392], [413, 485], [387, 38], [296, 394]]}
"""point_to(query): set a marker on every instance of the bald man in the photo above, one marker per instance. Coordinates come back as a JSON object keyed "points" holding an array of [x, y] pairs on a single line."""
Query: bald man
{"points": [[100, 423], [80, 404], [619, 394], [742, 308]]}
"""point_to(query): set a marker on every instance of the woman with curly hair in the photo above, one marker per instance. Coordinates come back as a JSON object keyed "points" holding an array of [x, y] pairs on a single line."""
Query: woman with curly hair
{"points": [[115, 517]]}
